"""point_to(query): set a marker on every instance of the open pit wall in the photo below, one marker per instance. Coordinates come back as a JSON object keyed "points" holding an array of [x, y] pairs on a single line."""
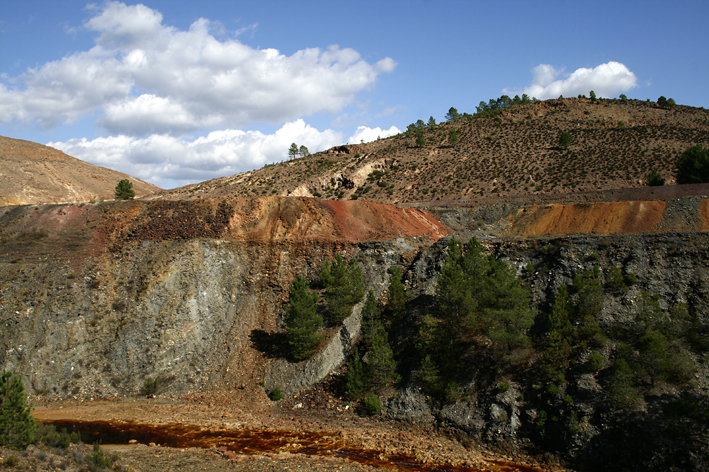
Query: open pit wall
{"points": [[96, 298]]}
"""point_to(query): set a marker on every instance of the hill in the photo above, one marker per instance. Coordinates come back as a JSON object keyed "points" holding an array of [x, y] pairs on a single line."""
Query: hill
{"points": [[31, 173], [515, 152]]}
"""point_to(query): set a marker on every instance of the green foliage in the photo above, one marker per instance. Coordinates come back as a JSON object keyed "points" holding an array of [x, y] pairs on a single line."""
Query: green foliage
{"points": [[693, 166], [431, 123], [541, 419], [565, 139], [574, 425], [124, 190], [293, 151], [596, 361], [420, 139], [11, 462], [615, 280], [654, 179], [372, 404], [623, 98], [17, 425], [623, 393], [592, 95], [302, 320], [381, 366], [476, 294], [356, 377], [303, 151], [276, 394], [590, 293], [152, 386], [397, 296], [503, 386], [453, 136], [48, 434], [100, 459], [343, 287], [662, 101], [452, 115], [530, 269]]}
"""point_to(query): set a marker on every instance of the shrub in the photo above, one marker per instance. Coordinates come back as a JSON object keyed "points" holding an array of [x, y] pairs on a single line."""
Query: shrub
{"points": [[654, 179], [541, 419], [152, 385], [453, 136], [48, 434], [372, 404], [503, 386], [596, 361], [17, 426], [100, 459], [276, 394], [614, 280], [565, 139]]}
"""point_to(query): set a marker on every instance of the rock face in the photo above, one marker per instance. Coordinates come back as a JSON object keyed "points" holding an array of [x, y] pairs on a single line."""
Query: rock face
{"points": [[98, 297], [31, 173], [675, 267]]}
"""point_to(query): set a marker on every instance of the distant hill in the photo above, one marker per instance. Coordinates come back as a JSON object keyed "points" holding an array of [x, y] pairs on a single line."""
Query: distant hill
{"points": [[614, 145], [32, 173]]}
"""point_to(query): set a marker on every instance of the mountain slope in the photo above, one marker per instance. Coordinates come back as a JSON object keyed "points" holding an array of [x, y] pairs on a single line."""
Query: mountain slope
{"points": [[32, 173], [614, 145]]}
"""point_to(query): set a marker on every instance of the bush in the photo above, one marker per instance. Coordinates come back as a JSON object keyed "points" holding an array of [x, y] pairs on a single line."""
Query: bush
{"points": [[453, 136], [693, 166], [565, 139], [372, 404], [276, 394], [152, 386], [596, 361], [614, 280], [100, 459], [654, 179], [48, 434], [17, 425]]}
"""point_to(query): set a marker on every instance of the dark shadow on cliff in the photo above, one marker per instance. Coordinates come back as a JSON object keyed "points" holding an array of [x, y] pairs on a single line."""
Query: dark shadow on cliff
{"points": [[273, 345]]}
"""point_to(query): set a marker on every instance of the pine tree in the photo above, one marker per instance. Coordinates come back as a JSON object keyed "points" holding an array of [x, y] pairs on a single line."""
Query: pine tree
{"points": [[124, 190], [382, 366], [371, 319], [396, 296], [293, 151], [356, 377], [17, 426], [344, 287], [302, 320]]}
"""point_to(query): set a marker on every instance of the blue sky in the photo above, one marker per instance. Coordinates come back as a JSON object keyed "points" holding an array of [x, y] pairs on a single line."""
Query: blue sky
{"points": [[180, 92]]}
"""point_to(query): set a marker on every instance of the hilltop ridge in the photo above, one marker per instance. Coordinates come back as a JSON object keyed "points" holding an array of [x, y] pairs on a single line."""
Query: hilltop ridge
{"points": [[31, 173], [615, 144]]}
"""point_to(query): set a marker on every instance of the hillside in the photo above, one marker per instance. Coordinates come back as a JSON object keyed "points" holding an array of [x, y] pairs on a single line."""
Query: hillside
{"points": [[31, 173], [614, 145]]}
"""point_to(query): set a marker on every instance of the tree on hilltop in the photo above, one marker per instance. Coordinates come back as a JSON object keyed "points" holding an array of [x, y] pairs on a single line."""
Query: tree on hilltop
{"points": [[293, 151], [452, 115]]}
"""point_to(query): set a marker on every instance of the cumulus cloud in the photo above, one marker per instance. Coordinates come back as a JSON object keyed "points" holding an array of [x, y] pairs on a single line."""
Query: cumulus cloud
{"points": [[143, 77], [606, 80], [367, 134], [168, 160]]}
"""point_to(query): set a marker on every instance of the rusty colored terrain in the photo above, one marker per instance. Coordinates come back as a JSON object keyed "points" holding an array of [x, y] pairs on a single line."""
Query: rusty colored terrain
{"points": [[94, 228], [32, 173]]}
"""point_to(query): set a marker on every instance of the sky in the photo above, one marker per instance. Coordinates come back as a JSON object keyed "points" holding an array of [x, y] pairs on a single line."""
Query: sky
{"points": [[177, 92]]}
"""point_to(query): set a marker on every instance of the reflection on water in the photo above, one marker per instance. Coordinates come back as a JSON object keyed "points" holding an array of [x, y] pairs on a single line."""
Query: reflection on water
{"points": [[254, 441]]}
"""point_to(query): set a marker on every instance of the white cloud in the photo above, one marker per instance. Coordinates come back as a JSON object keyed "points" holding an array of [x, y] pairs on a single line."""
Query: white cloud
{"points": [[167, 160], [143, 77], [367, 134], [606, 80]]}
